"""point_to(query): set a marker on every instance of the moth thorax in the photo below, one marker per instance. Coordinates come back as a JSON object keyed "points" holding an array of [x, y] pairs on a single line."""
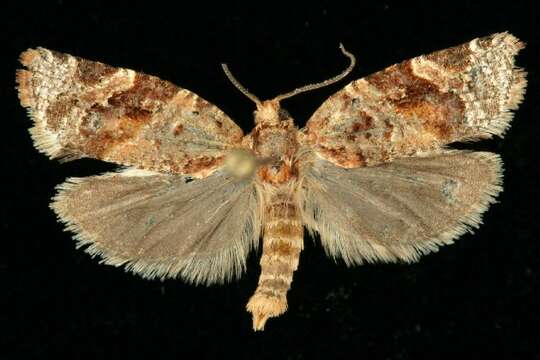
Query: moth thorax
{"points": [[276, 143]]}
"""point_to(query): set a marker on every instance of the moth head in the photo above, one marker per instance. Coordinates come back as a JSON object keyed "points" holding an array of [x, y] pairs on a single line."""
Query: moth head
{"points": [[268, 112]]}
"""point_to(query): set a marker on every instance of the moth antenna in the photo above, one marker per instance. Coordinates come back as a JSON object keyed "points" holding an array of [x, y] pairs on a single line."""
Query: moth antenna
{"points": [[239, 86], [324, 83]]}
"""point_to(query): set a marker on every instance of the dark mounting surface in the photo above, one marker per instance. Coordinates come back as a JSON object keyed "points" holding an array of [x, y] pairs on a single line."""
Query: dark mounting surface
{"points": [[477, 296]]}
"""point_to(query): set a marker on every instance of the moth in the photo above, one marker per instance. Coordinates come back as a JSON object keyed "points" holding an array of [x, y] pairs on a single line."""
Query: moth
{"points": [[371, 173]]}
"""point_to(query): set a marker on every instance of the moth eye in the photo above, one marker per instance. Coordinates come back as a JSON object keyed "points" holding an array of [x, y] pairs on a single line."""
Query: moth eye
{"points": [[241, 163]]}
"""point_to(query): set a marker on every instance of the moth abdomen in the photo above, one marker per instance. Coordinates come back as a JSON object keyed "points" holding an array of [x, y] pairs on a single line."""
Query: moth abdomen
{"points": [[282, 244]]}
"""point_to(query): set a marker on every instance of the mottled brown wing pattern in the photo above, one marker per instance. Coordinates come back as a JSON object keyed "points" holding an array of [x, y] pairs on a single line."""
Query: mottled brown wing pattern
{"points": [[160, 225], [398, 210], [83, 108], [461, 93]]}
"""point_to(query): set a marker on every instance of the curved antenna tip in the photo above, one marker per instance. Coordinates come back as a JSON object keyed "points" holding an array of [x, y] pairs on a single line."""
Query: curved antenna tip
{"points": [[239, 86], [345, 52], [332, 80]]}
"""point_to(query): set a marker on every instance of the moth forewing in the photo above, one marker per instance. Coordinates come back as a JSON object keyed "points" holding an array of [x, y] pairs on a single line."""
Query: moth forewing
{"points": [[422, 104]]}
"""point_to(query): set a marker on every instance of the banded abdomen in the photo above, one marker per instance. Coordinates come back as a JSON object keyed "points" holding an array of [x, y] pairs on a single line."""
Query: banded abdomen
{"points": [[282, 244]]}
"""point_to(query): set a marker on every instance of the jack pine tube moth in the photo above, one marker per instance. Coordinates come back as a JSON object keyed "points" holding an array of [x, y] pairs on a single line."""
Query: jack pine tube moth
{"points": [[370, 173]]}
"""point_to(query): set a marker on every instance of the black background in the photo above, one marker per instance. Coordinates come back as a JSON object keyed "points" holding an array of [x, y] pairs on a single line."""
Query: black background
{"points": [[478, 296]]}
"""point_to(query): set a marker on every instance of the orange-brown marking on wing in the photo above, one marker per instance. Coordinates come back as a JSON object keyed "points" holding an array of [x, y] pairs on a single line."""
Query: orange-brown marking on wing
{"points": [[417, 98], [147, 92], [196, 165], [114, 129]]}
